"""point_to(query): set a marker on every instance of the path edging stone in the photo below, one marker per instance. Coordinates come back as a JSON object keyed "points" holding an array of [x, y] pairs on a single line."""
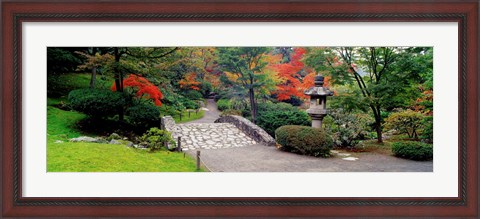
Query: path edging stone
{"points": [[249, 128]]}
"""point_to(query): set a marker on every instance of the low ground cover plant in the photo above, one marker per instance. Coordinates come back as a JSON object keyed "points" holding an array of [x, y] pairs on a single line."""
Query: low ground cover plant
{"points": [[412, 150]]}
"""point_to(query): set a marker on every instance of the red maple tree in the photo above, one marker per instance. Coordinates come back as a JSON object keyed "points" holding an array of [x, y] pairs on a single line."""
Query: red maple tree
{"points": [[142, 87], [288, 73]]}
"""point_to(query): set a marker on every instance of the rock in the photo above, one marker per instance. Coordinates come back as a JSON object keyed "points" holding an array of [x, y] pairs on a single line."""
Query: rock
{"points": [[85, 139], [114, 136], [350, 158], [129, 144], [125, 138], [250, 129], [113, 141], [58, 142]]}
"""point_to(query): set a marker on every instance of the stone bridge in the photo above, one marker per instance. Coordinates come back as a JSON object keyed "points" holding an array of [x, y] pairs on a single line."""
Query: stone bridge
{"points": [[226, 132]]}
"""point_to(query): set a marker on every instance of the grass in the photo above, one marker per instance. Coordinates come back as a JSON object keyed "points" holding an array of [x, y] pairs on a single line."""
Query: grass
{"points": [[65, 156], [185, 118], [94, 157], [374, 146]]}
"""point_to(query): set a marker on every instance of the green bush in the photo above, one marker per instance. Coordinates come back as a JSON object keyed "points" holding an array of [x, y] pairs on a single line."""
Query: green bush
{"points": [[412, 150], [143, 115], [304, 140], [156, 138], [224, 104], [271, 120], [347, 129], [427, 131], [193, 95], [231, 112], [95, 102], [269, 106], [406, 122]]}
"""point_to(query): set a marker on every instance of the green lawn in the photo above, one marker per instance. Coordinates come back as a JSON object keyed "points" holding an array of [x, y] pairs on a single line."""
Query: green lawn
{"points": [[94, 157], [185, 118]]}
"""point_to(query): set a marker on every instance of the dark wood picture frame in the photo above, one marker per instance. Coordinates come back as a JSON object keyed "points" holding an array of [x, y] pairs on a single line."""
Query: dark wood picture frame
{"points": [[465, 13]]}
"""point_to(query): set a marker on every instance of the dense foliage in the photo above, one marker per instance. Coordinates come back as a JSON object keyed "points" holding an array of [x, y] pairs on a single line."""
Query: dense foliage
{"points": [[408, 122], [347, 129], [224, 104], [271, 120], [413, 150], [143, 115], [95, 102], [156, 139], [304, 140]]}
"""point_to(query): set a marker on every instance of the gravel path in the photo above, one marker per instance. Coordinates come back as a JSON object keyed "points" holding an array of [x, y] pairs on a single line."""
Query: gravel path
{"points": [[210, 115], [259, 158]]}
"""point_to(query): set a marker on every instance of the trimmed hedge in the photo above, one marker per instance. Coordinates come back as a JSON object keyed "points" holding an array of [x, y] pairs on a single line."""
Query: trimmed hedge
{"points": [[96, 102], [271, 120], [304, 140], [143, 115], [412, 150]]}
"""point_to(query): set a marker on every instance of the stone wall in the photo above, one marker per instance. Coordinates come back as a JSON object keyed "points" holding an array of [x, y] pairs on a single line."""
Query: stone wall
{"points": [[252, 130], [168, 123]]}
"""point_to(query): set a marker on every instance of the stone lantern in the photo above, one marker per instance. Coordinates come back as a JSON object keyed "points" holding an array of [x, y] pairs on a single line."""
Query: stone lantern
{"points": [[318, 101]]}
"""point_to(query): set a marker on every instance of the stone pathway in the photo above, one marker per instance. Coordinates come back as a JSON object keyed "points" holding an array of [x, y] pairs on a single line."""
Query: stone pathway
{"points": [[205, 134], [211, 136]]}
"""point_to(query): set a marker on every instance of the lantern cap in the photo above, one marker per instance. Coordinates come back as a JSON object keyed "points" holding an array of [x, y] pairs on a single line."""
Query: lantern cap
{"points": [[319, 80]]}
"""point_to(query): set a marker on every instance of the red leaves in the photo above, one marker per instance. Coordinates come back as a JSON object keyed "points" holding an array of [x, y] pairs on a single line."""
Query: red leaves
{"points": [[288, 73], [143, 86]]}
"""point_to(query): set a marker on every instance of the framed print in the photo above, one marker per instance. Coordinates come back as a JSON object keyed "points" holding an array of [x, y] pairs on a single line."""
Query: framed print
{"points": [[218, 109]]}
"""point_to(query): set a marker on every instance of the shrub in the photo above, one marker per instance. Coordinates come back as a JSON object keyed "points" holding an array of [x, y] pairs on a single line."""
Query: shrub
{"points": [[143, 115], [412, 150], [156, 138], [189, 104], [408, 122], [271, 120], [95, 102], [231, 112], [269, 106], [304, 140], [223, 104], [193, 95], [427, 131], [347, 128]]}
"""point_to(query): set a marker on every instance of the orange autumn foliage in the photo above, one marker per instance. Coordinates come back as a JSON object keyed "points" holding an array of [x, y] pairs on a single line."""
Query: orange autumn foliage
{"points": [[189, 81], [287, 72], [142, 86]]}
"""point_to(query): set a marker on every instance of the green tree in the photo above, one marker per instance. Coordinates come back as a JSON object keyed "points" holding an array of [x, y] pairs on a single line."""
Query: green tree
{"points": [[246, 65], [385, 76]]}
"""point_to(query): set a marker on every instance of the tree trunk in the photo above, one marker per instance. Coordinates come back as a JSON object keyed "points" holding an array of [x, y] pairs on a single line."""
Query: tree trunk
{"points": [[378, 122], [378, 128], [253, 105], [94, 71], [93, 78], [118, 81]]}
